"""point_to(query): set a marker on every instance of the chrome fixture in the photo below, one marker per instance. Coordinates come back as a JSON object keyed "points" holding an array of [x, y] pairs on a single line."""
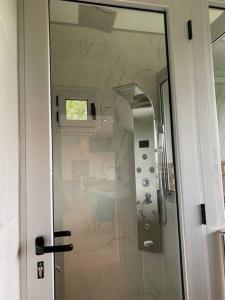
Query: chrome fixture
{"points": [[145, 156]]}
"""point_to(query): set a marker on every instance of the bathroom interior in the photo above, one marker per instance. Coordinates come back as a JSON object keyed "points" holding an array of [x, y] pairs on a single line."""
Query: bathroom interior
{"points": [[114, 182]]}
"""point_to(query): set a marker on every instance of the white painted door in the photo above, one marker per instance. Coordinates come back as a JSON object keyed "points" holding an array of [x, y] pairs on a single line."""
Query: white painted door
{"points": [[40, 131]]}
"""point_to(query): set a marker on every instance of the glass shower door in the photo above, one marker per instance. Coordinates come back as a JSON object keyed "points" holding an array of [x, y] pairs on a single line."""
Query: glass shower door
{"points": [[110, 140]]}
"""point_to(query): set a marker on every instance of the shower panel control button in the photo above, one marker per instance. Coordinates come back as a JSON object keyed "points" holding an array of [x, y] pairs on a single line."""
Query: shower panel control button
{"points": [[147, 198], [152, 169], [147, 226], [138, 170], [144, 156], [145, 182]]}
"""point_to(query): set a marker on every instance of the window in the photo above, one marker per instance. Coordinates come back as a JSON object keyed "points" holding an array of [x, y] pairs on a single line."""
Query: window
{"points": [[76, 110]]}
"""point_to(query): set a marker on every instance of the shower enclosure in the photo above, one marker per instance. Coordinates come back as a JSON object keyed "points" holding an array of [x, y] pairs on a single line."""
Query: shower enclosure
{"points": [[113, 168]]}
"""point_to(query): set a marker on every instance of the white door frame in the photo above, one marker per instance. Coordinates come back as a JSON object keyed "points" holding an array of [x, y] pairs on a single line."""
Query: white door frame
{"points": [[209, 154], [36, 180], [190, 102]]}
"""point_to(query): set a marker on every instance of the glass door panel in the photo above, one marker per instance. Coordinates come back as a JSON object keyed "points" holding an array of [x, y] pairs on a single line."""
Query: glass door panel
{"points": [[113, 167], [218, 50]]}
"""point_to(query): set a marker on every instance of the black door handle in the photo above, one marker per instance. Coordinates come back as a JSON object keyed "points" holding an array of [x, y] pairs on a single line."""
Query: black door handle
{"points": [[41, 249], [62, 233]]}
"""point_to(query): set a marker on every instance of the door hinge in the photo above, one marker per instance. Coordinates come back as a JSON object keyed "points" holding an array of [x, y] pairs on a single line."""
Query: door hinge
{"points": [[57, 117], [57, 100], [203, 214], [189, 27]]}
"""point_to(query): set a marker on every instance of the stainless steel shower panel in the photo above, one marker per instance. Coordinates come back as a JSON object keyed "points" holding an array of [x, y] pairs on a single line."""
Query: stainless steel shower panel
{"points": [[146, 166]]}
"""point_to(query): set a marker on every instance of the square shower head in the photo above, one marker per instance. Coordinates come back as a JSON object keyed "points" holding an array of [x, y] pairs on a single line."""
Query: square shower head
{"points": [[96, 17]]}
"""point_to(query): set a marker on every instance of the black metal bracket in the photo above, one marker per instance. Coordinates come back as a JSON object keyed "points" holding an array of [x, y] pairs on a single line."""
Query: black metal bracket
{"points": [[93, 111], [41, 249], [203, 214]]}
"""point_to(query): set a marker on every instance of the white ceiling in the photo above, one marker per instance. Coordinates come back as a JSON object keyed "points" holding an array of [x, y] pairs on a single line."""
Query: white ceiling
{"points": [[67, 12]]}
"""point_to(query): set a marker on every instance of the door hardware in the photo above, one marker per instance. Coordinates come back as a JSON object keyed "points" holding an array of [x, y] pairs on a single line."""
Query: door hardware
{"points": [[203, 214], [62, 233], [41, 249], [40, 270], [190, 33]]}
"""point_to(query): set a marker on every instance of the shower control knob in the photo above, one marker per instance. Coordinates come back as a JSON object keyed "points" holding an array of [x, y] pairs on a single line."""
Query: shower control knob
{"points": [[145, 182], [147, 198]]}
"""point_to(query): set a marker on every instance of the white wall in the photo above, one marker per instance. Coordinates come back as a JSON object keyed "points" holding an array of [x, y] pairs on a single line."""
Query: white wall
{"points": [[9, 216]]}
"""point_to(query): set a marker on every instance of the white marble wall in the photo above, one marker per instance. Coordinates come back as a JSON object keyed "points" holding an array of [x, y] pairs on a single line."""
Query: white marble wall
{"points": [[9, 216], [85, 57]]}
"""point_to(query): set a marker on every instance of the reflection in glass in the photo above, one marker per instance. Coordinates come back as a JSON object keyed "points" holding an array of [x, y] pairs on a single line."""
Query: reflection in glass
{"points": [[218, 49]]}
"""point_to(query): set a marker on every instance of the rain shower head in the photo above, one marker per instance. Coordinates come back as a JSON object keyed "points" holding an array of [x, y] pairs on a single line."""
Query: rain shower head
{"points": [[96, 18], [134, 95]]}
